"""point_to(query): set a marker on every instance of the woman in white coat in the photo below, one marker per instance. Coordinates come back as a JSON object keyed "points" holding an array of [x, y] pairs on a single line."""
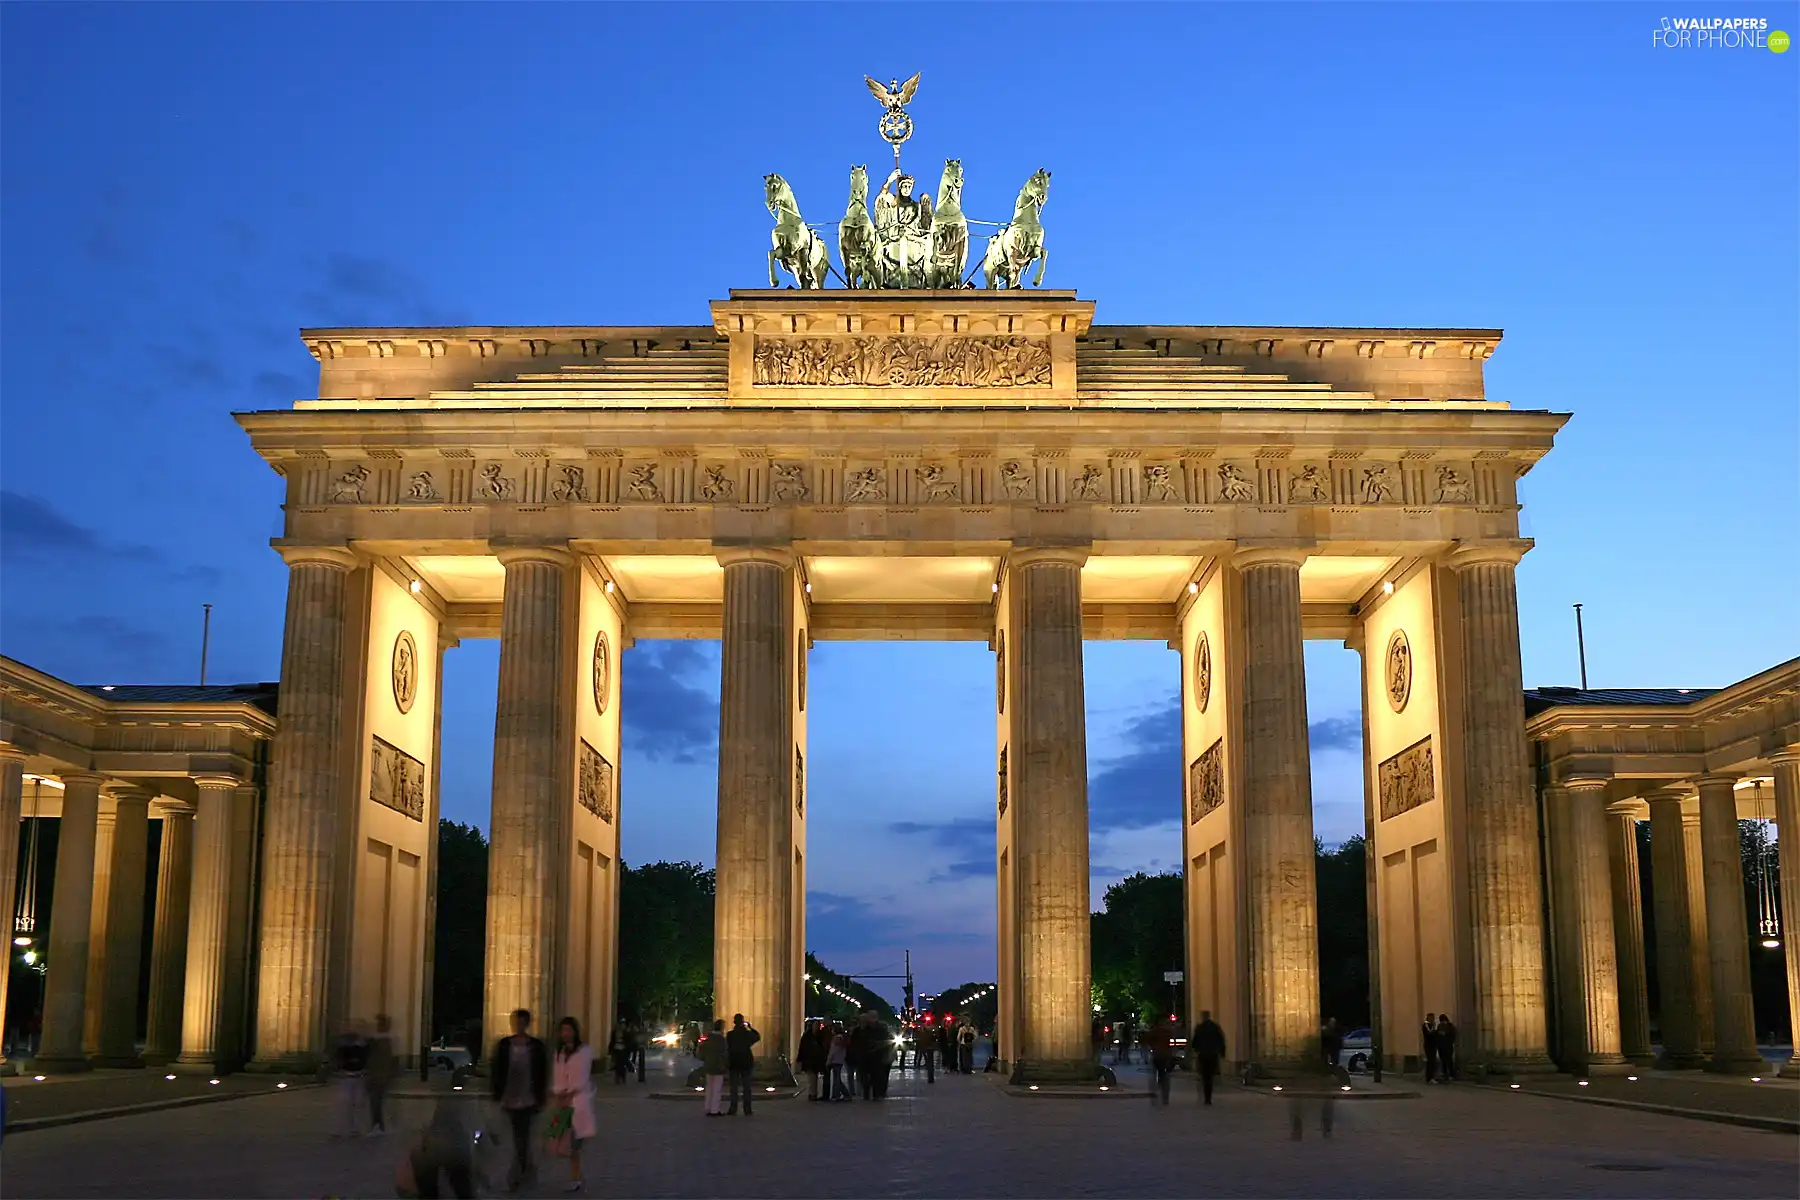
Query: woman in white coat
{"points": [[572, 1087]]}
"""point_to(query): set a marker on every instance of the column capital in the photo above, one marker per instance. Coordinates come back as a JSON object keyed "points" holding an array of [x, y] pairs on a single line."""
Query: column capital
{"points": [[217, 782], [92, 779], [174, 806], [1671, 794], [776, 555], [340, 557], [1587, 783], [1507, 552], [1715, 779], [129, 793], [556, 554], [1781, 757], [1028, 555], [1268, 554], [1623, 808], [11, 753]]}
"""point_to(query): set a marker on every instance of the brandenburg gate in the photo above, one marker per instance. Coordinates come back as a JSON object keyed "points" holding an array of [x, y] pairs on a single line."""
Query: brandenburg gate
{"points": [[933, 464]]}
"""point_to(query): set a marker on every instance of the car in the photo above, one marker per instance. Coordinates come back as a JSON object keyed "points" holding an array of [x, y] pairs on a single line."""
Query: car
{"points": [[449, 1058], [1359, 1045]]}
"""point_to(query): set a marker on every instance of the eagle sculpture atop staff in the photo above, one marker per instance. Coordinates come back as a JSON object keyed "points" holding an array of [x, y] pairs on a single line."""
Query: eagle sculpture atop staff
{"points": [[896, 126]]}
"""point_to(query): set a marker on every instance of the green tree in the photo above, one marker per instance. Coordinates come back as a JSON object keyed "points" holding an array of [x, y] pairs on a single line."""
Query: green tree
{"points": [[459, 946], [821, 1002], [1136, 939], [1343, 908], [666, 942], [983, 1011]]}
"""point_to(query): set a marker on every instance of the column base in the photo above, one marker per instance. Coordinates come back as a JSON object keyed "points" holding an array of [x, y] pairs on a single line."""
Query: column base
{"points": [[1610, 1064], [1680, 1061], [1055, 1070], [1513, 1067], [1754, 1064], [1791, 1068], [197, 1066], [60, 1066], [775, 1072]]}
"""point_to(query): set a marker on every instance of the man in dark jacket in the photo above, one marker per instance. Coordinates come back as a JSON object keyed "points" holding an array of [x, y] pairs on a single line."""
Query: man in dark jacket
{"points": [[1208, 1048], [810, 1055], [1446, 1047], [1162, 1058], [740, 1061], [520, 1073], [1428, 1046]]}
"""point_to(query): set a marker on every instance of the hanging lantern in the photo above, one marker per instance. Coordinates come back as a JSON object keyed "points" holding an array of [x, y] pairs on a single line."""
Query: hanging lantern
{"points": [[1768, 900]]}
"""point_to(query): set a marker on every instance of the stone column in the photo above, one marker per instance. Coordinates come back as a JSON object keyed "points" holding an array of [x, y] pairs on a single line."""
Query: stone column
{"points": [[99, 908], [169, 943], [1048, 794], [1674, 933], [12, 795], [1280, 890], [208, 913], [300, 846], [1694, 859], [752, 958], [235, 1016], [1595, 949], [1628, 933], [1500, 850], [125, 931], [531, 789], [65, 986], [1787, 832], [1727, 931]]}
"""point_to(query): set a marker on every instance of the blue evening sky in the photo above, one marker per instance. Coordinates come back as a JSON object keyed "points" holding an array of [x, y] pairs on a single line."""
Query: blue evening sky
{"points": [[186, 186]]}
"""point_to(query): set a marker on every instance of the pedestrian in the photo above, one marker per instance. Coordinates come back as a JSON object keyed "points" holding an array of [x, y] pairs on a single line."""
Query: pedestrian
{"points": [[443, 1153], [1314, 1086], [715, 1058], [618, 1052], [810, 1056], [1428, 1035], [1162, 1059], [741, 1061], [1446, 1047], [887, 1048], [946, 1038], [640, 1046], [1208, 1047], [965, 1049], [1331, 1043], [519, 1073], [835, 1063], [572, 1096], [925, 1052], [349, 1061], [1122, 1055], [378, 1075]]}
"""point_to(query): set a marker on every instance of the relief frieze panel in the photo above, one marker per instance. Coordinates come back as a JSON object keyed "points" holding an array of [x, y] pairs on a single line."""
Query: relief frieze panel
{"points": [[902, 362], [1206, 781], [1406, 781], [597, 780], [396, 779]]}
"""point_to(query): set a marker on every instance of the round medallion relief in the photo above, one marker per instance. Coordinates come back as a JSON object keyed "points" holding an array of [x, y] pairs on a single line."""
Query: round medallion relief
{"points": [[405, 671], [1399, 670], [800, 670], [1202, 672], [1000, 672], [602, 672]]}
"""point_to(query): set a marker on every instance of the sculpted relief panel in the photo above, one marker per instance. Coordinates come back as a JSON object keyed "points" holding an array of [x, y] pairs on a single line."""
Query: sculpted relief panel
{"points": [[1206, 781], [904, 362], [1406, 780], [1124, 477], [596, 792], [397, 780]]}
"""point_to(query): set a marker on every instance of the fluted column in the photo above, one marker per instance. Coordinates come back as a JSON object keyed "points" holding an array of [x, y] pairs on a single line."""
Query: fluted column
{"points": [[1699, 939], [236, 1020], [304, 811], [752, 956], [99, 908], [1727, 931], [1674, 933], [65, 986], [1281, 907], [1048, 764], [1787, 832], [1500, 849], [169, 941], [531, 788], [125, 931], [208, 913], [1595, 951], [1628, 933], [12, 795]]}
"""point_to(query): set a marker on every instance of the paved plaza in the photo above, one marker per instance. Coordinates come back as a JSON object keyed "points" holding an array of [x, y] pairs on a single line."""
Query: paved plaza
{"points": [[961, 1136]]}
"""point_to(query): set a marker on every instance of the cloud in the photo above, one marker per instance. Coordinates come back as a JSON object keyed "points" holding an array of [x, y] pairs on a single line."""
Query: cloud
{"points": [[100, 648], [969, 843], [1142, 786], [1342, 734], [360, 289], [32, 533], [667, 715]]}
